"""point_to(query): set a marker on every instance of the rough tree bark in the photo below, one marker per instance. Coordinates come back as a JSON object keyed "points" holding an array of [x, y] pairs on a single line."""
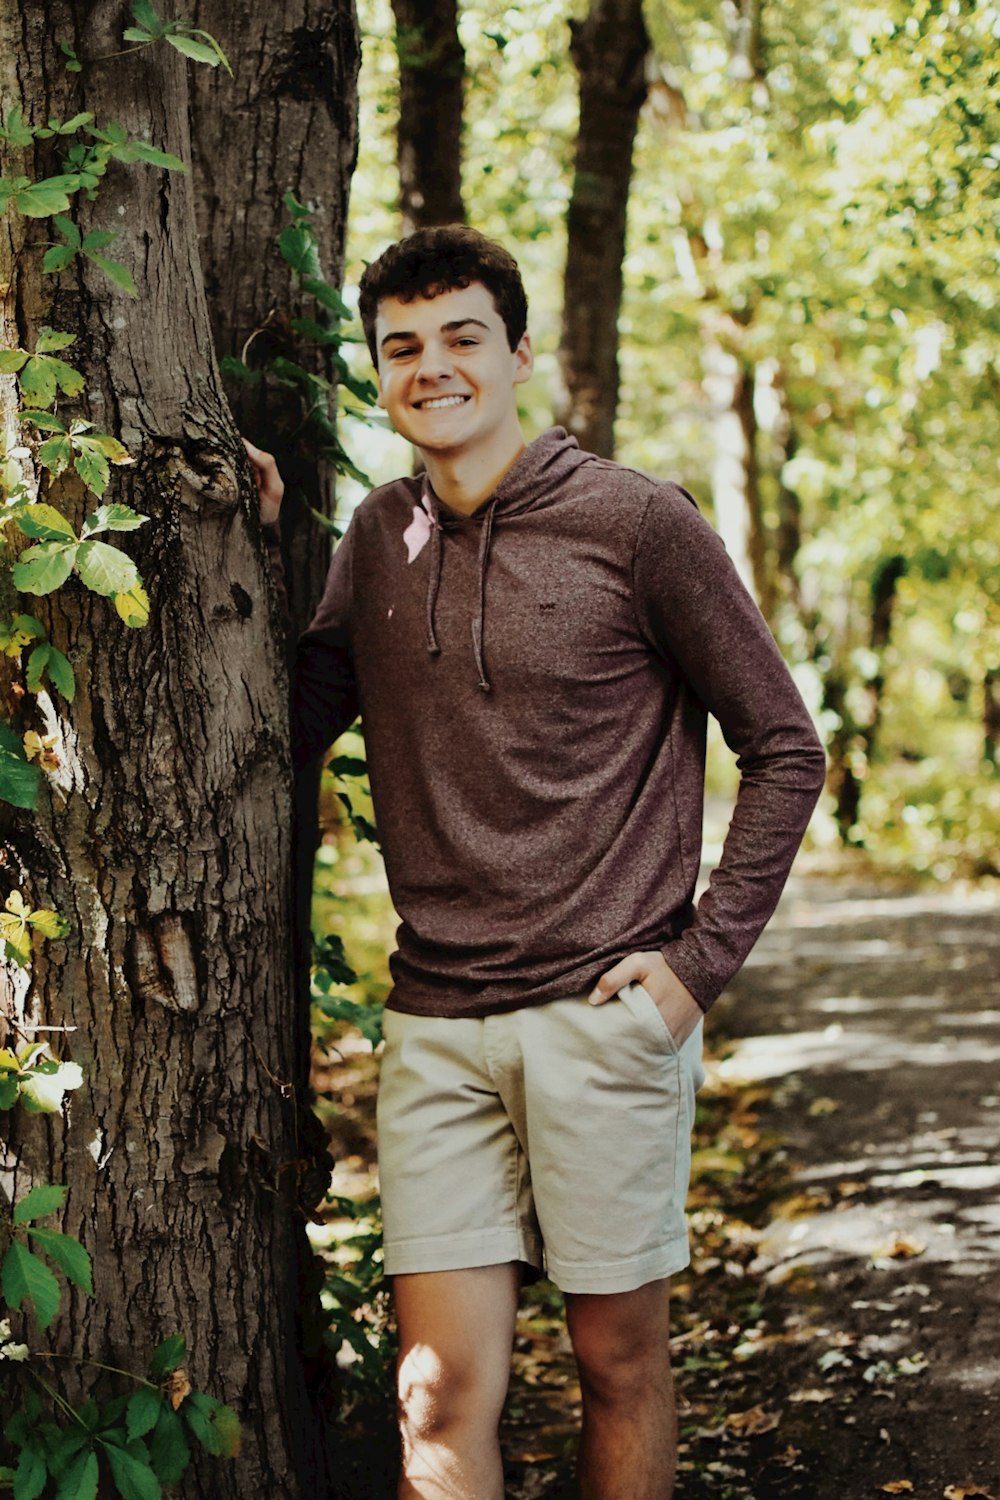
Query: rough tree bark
{"points": [[164, 834], [429, 133], [287, 121], [609, 48]]}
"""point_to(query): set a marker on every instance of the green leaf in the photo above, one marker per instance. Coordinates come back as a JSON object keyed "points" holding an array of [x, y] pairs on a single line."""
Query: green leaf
{"points": [[61, 676], [19, 779], [71, 126], [12, 360], [227, 1425], [14, 129], [9, 1088], [142, 151], [297, 244], [105, 569], [91, 465], [46, 522], [25, 1277], [42, 374], [198, 1412], [133, 606], [73, 63], [50, 339], [327, 296], [169, 1452], [167, 1357], [136, 34], [69, 1255], [79, 1480], [114, 271], [130, 1470], [143, 1411], [41, 569], [98, 239], [38, 660], [56, 453], [147, 17], [47, 1198], [113, 517], [199, 51], [57, 258], [31, 1473], [50, 196], [68, 230], [42, 419]]}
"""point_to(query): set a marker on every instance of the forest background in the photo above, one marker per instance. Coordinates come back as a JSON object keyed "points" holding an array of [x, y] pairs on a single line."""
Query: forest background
{"points": [[802, 234]]}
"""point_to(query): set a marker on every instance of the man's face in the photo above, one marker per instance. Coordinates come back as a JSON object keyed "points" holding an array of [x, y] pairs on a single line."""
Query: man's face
{"points": [[446, 373]]}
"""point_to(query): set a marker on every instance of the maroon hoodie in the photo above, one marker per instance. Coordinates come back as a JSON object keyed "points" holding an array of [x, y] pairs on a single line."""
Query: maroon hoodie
{"points": [[533, 682]]}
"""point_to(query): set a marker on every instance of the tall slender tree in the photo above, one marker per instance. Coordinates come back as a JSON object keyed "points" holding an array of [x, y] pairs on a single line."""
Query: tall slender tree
{"points": [[610, 48], [431, 94], [163, 829]]}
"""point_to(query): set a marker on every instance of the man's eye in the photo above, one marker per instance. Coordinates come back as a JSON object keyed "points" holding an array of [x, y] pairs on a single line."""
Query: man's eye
{"points": [[466, 343], [401, 353]]}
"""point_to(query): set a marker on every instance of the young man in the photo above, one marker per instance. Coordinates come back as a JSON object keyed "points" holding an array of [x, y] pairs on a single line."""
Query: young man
{"points": [[534, 637]]}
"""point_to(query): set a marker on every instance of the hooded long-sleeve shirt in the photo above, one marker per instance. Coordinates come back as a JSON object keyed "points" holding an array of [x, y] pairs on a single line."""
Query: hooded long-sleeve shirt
{"points": [[533, 682]]}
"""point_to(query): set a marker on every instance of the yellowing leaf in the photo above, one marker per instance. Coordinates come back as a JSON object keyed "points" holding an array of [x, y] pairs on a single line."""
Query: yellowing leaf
{"points": [[753, 1422], [177, 1387], [898, 1487], [899, 1247], [133, 606]]}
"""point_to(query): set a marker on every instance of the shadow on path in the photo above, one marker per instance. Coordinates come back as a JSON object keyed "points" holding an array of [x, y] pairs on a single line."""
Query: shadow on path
{"points": [[875, 1018]]}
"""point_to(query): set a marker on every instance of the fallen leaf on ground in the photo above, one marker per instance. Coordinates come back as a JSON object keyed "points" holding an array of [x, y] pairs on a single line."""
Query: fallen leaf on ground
{"points": [[898, 1487], [898, 1247], [788, 1457], [753, 1422], [851, 1189], [966, 1492], [812, 1393], [824, 1106]]}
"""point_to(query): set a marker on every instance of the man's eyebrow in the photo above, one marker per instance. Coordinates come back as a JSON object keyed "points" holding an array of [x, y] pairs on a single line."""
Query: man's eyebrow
{"points": [[445, 328]]}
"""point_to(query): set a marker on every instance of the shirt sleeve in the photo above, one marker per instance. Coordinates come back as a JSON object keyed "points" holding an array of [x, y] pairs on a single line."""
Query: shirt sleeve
{"points": [[324, 692], [693, 607]]}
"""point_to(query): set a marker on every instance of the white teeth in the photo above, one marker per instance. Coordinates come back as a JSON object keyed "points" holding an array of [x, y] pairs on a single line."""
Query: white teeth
{"points": [[440, 402]]}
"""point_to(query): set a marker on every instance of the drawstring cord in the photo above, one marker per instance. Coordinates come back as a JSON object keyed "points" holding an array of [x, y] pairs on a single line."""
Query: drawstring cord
{"points": [[434, 569], [479, 625], [433, 585]]}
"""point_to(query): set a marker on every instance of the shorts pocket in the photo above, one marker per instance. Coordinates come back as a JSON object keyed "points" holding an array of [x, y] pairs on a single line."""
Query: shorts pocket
{"points": [[645, 1009]]}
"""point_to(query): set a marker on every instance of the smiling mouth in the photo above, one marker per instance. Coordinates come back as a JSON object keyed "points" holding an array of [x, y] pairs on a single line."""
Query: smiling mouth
{"points": [[440, 403]]}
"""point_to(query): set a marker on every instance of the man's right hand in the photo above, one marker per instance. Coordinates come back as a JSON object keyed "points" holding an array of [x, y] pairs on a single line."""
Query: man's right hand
{"points": [[270, 485]]}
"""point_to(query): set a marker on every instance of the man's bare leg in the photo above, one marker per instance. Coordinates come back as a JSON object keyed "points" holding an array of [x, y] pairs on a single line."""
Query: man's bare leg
{"points": [[628, 1445], [456, 1332]]}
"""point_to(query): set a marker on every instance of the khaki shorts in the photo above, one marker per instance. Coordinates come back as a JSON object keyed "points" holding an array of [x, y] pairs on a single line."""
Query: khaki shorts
{"points": [[558, 1135]]}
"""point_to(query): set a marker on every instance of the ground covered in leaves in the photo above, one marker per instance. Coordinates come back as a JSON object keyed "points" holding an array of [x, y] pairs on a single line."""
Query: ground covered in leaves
{"points": [[836, 1334]]}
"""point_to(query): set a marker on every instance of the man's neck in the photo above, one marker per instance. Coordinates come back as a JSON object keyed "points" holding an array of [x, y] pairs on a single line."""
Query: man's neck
{"points": [[462, 481]]}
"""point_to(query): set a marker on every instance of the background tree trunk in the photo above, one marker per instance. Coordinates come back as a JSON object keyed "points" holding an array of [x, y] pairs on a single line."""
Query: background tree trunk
{"points": [[609, 49], [165, 832], [429, 133], [286, 122]]}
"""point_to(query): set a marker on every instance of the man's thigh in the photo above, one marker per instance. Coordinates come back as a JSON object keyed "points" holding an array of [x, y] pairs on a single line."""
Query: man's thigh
{"points": [[607, 1113]]}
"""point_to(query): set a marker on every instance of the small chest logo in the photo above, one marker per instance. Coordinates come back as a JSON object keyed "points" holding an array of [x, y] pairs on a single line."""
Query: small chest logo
{"points": [[547, 607]]}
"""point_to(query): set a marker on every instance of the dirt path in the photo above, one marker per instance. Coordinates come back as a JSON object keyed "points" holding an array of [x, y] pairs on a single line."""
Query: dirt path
{"points": [[877, 1015]]}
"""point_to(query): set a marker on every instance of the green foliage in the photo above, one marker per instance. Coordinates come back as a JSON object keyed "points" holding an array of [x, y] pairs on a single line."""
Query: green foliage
{"points": [[18, 778], [179, 34]]}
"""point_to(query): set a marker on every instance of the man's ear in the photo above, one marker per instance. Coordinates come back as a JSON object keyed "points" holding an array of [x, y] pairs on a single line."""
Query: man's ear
{"points": [[524, 360]]}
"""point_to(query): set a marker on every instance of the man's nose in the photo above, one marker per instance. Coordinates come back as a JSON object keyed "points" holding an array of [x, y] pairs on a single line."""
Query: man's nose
{"points": [[435, 362]]}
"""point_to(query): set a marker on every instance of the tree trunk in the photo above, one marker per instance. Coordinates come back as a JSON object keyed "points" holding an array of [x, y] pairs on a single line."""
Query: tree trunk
{"points": [[286, 122], [164, 832], [609, 49], [429, 134]]}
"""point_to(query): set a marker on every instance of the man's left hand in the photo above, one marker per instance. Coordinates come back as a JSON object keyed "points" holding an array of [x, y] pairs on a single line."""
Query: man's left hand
{"points": [[675, 1002]]}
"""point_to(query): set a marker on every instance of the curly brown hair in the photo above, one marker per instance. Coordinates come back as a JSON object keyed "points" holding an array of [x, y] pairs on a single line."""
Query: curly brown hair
{"points": [[444, 259]]}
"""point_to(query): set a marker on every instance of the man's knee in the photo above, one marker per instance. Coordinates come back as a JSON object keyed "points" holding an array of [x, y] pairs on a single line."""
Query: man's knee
{"points": [[621, 1344], [439, 1393]]}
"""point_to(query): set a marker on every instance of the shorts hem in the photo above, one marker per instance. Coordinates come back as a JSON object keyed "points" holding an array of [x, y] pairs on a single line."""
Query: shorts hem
{"points": [[461, 1252], [621, 1275]]}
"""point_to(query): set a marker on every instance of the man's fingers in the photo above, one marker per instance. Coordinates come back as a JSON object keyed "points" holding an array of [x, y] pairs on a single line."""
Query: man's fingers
{"points": [[610, 983]]}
